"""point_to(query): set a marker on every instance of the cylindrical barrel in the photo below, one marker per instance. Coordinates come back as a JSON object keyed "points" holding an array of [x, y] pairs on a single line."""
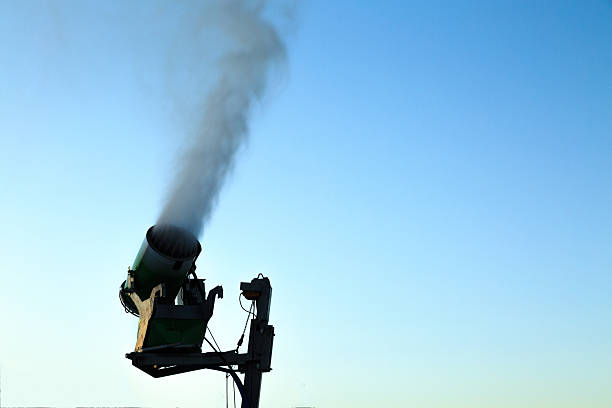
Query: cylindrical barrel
{"points": [[166, 256]]}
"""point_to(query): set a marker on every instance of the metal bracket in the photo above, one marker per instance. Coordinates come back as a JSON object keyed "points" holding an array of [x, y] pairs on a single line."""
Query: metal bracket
{"points": [[163, 361]]}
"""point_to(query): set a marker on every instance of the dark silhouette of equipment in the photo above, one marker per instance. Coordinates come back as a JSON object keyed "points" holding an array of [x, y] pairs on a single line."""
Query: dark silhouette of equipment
{"points": [[164, 291]]}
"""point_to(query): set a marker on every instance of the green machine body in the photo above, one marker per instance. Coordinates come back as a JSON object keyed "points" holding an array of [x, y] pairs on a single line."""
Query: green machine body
{"points": [[172, 305]]}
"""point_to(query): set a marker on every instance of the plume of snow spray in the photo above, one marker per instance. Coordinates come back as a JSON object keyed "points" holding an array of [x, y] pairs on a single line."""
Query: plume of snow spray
{"points": [[253, 47]]}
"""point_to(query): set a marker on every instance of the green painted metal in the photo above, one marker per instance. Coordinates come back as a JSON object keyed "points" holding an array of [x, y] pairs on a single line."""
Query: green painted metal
{"points": [[166, 256], [172, 331], [151, 268]]}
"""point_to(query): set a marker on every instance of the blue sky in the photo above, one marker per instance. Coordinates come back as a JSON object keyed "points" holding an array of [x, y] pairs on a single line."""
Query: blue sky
{"points": [[428, 186]]}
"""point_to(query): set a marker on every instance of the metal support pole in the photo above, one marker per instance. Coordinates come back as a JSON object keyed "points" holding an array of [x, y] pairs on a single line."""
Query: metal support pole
{"points": [[260, 339]]}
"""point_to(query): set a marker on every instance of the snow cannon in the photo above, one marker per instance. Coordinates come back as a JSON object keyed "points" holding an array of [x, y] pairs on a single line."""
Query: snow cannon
{"points": [[163, 289]]}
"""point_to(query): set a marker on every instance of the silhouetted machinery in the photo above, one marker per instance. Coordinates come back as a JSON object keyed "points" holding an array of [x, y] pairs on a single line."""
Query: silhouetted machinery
{"points": [[164, 291]]}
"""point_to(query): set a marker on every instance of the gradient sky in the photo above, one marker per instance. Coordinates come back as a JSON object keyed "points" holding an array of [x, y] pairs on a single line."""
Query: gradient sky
{"points": [[428, 187]]}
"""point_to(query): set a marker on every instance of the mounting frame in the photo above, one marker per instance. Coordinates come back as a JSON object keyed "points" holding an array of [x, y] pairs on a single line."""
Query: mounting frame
{"points": [[167, 360]]}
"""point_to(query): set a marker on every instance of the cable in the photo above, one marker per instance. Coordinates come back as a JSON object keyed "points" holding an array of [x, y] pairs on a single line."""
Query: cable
{"points": [[234, 388], [241, 340], [240, 301], [213, 337], [127, 310], [230, 370], [226, 392]]}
